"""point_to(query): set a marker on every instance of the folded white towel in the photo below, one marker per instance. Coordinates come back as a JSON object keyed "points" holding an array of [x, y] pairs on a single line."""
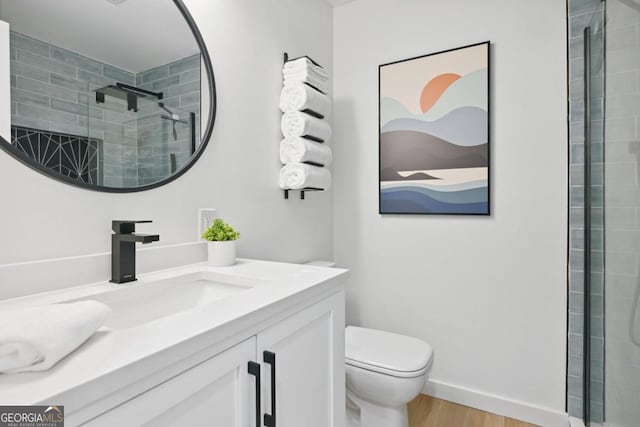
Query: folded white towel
{"points": [[296, 176], [323, 77], [303, 77], [36, 338], [301, 97], [305, 63], [295, 149], [297, 123]]}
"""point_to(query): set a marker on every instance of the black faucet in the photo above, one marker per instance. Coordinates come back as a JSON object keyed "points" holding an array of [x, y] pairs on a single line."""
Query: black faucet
{"points": [[123, 249]]}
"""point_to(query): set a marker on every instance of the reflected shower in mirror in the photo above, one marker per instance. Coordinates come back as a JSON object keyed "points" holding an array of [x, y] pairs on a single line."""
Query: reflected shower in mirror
{"points": [[105, 94]]}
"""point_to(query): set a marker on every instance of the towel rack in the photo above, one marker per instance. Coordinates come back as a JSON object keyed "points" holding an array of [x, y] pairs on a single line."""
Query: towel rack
{"points": [[302, 191], [312, 138]]}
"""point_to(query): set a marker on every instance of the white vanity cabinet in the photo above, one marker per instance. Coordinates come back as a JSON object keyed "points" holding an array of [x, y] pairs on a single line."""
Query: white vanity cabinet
{"points": [[217, 392], [304, 367], [309, 367]]}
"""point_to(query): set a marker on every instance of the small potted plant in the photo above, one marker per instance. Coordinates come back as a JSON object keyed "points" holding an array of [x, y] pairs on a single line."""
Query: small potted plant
{"points": [[222, 243]]}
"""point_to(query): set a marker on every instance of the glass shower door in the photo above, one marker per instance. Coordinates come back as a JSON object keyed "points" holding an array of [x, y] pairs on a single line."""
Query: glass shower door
{"points": [[622, 213], [604, 298]]}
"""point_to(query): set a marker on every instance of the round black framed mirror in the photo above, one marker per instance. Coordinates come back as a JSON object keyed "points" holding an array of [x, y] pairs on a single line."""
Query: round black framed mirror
{"points": [[111, 95]]}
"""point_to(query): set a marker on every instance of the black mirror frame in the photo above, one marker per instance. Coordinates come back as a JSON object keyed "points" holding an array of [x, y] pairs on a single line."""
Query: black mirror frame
{"points": [[8, 148]]}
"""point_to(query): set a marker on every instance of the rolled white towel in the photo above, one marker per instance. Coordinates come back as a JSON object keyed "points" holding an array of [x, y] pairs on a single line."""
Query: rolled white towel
{"points": [[296, 176], [304, 63], [297, 123], [301, 97], [36, 338], [294, 79], [295, 149]]}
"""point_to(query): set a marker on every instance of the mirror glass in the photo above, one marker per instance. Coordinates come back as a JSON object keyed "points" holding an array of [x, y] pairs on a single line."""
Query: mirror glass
{"points": [[110, 95]]}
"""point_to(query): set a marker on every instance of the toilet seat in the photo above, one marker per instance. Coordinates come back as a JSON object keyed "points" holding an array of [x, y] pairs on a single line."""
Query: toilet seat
{"points": [[387, 353]]}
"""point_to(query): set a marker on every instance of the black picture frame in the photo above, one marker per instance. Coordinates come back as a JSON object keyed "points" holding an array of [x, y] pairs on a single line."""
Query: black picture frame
{"points": [[458, 136]]}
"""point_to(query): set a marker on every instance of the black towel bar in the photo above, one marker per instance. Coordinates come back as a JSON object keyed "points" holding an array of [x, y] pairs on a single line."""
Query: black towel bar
{"points": [[302, 191]]}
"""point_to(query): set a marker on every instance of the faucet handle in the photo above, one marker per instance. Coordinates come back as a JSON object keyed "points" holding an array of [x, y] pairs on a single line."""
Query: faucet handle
{"points": [[126, 227]]}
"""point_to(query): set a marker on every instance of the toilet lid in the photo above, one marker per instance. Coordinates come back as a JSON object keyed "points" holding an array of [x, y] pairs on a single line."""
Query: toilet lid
{"points": [[385, 352]]}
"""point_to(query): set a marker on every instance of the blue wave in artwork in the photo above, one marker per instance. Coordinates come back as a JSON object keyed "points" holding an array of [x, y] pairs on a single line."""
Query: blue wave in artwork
{"points": [[412, 200], [472, 195], [481, 183]]}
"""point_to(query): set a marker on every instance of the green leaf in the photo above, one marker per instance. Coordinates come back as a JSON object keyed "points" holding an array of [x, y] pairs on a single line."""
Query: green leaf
{"points": [[220, 231]]}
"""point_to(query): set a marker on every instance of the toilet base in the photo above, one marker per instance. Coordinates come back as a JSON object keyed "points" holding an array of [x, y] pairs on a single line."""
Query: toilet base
{"points": [[370, 415]]}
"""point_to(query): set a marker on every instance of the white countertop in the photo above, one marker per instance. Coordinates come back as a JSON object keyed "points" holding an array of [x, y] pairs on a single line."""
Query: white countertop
{"points": [[112, 358]]}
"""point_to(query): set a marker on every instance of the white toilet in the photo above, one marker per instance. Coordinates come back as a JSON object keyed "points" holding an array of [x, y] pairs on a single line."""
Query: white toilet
{"points": [[384, 372]]}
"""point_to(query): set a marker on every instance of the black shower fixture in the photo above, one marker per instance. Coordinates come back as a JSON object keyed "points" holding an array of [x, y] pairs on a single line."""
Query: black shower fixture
{"points": [[126, 92]]}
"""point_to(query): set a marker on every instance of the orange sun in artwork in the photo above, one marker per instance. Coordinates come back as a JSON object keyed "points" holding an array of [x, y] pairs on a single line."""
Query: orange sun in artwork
{"points": [[434, 89]]}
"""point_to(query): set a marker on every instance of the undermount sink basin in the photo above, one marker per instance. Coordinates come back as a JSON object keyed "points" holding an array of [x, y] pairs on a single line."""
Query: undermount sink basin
{"points": [[145, 301]]}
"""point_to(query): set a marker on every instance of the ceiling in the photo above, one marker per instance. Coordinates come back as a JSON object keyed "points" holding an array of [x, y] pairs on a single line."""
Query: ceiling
{"points": [[135, 35], [339, 2]]}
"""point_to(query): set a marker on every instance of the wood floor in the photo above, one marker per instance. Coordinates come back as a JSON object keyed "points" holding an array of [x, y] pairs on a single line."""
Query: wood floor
{"points": [[426, 411]]}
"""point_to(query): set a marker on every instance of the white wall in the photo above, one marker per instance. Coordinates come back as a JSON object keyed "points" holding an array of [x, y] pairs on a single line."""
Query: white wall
{"points": [[489, 293], [238, 173]]}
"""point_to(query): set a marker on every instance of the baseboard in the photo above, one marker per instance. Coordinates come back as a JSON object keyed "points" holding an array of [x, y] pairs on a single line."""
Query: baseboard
{"points": [[497, 404]]}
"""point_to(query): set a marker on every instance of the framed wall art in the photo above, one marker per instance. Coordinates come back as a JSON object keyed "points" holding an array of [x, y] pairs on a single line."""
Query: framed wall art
{"points": [[434, 133]]}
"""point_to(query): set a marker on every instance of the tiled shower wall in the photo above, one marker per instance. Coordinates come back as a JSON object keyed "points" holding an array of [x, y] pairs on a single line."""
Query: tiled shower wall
{"points": [[53, 89], [180, 84], [622, 214], [583, 13]]}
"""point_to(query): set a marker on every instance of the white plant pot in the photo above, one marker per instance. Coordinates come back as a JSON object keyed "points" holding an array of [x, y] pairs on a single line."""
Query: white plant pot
{"points": [[222, 253]]}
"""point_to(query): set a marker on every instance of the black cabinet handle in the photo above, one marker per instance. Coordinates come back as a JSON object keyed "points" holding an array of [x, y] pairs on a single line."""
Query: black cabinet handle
{"points": [[270, 358], [254, 369]]}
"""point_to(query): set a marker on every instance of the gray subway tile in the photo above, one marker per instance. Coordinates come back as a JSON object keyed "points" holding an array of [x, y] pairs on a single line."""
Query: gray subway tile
{"points": [[576, 306], [73, 129], [31, 122], [76, 60], [121, 76], [154, 74], [190, 75], [190, 99], [185, 64], [45, 63], [29, 44], [53, 116], [574, 386], [577, 23], [69, 82], [24, 70], [116, 117], [575, 406], [97, 79], [69, 107], [577, 7], [165, 83], [576, 322], [183, 89], [27, 97], [575, 367]]}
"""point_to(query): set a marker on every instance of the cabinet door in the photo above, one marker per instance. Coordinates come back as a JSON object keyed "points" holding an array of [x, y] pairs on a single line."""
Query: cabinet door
{"points": [[309, 366], [217, 392]]}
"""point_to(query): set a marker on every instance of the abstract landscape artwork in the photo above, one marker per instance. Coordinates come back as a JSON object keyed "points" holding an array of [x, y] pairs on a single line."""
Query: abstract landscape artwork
{"points": [[434, 133]]}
